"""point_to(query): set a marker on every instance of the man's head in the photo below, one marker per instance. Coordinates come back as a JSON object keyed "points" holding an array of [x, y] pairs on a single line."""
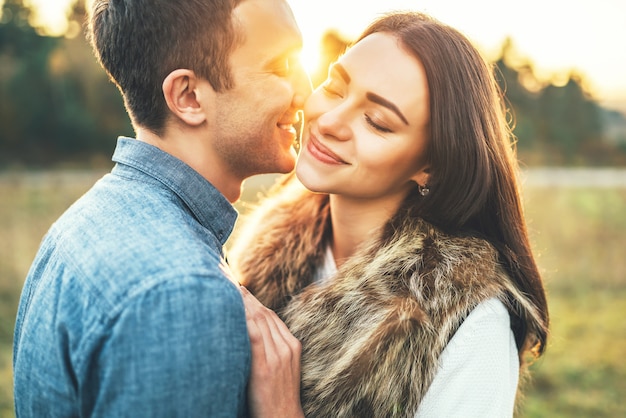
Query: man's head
{"points": [[222, 76], [254, 120], [139, 42]]}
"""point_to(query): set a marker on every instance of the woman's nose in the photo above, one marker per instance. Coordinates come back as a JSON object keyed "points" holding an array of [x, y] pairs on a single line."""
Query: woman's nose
{"points": [[334, 122]]}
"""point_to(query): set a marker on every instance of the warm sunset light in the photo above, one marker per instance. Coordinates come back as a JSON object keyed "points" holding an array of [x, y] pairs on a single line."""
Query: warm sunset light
{"points": [[557, 36], [310, 56]]}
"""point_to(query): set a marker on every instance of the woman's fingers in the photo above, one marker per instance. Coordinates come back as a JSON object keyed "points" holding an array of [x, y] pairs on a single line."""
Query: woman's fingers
{"points": [[275, 333], [274, 387], [270, 336]]}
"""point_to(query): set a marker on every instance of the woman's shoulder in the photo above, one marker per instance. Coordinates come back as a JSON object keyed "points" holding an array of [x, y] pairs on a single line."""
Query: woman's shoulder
{"points": [[487, 324], [492, 309], [479, 368], [488, 317]]}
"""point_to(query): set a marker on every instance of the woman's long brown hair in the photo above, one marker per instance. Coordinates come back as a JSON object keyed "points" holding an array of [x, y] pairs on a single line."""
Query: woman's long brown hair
{"points": [[474, 185]]}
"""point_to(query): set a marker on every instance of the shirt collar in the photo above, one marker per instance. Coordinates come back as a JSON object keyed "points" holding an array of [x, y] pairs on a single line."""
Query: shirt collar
{"points": [[207, 204]]}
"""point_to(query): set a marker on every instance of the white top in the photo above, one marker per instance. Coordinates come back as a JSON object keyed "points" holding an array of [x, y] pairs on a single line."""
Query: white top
{"points": [[478, 369]]}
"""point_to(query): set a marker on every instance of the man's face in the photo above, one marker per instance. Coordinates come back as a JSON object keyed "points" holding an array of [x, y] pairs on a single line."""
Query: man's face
{"points": [[255, 119]]}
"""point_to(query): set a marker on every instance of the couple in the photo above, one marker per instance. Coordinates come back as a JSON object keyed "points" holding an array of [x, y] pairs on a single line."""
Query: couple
{"points": [[402, 270]]}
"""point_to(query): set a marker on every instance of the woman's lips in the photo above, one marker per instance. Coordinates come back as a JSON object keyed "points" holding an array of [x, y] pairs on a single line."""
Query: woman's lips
{"points": [[322, 153]]}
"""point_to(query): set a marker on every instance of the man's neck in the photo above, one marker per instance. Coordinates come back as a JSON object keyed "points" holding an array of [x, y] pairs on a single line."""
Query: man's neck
{"points": [[197, 154]]}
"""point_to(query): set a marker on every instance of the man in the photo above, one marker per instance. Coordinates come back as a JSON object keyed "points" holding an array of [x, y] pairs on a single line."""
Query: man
{"points": [[126, 310]]}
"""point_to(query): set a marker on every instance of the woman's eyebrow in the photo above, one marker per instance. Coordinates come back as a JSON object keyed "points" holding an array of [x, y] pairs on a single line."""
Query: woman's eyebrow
{"points": [[373, 97]]}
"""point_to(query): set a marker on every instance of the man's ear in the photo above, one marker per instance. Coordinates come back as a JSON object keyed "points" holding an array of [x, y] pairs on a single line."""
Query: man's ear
{"points": [[184, 97]]}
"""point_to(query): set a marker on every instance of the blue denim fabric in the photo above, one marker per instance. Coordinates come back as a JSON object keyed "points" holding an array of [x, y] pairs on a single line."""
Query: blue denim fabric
{"points": [[125, 311]]}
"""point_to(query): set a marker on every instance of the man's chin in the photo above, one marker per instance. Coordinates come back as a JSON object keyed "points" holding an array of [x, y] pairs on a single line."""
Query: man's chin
{"points": [[286, 168], [281, 166], [288, 162]]}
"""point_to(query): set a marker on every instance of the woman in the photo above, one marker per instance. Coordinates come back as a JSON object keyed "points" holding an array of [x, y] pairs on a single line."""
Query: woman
{"points": [[405, 270]]}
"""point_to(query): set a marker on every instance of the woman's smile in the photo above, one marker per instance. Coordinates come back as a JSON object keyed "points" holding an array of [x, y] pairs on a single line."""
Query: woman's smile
{"points": [[321, 153]]}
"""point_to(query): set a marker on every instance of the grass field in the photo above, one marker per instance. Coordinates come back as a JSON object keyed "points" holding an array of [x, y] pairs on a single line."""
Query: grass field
{"points": [[579, 235]]}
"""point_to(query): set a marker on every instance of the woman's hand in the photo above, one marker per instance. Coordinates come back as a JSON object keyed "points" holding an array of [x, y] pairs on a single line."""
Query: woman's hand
{"points": [[274, 386]]}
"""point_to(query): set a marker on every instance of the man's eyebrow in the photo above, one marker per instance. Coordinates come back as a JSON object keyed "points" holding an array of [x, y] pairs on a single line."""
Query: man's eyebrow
{"points": [[372, 97], [342, 72]]}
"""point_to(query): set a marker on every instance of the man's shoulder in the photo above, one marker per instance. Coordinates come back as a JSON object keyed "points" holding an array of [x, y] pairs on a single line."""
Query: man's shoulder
{"points": [[112, 248]]}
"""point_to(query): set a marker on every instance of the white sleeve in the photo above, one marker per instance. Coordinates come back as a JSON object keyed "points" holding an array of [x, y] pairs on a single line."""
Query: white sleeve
{"points": [[478, 369]]}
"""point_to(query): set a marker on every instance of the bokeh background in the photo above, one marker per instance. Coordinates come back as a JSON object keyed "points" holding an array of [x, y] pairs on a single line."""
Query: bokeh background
{"points": [[562, 65]]}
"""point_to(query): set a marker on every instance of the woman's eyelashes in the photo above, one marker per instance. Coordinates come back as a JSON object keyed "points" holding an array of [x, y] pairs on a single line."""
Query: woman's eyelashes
{"points": [[376, 126], [331, 88]]}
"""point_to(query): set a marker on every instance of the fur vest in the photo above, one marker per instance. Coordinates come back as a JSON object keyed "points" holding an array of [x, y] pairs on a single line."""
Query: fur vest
{"points": [[371, 335]]}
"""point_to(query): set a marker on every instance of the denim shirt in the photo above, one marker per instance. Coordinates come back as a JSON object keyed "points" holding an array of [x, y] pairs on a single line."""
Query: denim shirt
{"points": [[126, 311]]}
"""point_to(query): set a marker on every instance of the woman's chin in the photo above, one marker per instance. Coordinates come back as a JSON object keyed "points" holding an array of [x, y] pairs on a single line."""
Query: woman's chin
{"points": [[309, 178]]}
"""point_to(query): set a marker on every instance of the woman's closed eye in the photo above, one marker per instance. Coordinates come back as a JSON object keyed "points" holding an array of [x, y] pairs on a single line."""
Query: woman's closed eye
{"points": [[376, 126]]}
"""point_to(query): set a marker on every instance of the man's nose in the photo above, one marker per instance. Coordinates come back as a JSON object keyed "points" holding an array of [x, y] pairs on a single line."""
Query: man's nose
{"points": [[302, 86]]}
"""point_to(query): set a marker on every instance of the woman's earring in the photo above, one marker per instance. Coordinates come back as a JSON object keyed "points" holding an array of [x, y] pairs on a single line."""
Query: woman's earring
{"points": [[423, 190]]}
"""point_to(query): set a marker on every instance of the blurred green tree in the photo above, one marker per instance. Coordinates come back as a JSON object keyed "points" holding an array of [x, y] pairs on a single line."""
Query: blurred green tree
{"points": [[56, 103], [23, 56], [554, 124], [569, 117]]}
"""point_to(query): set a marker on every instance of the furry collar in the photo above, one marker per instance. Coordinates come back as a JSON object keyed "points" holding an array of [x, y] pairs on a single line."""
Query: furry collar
{"points": [[372, 335]]}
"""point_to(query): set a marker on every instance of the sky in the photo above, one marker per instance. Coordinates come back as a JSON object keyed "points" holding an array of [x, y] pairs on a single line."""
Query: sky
{"points": [[558, 36]]}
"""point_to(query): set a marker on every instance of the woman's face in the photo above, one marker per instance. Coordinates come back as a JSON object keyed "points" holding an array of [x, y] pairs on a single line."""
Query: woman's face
{"points": [[367, 125]]}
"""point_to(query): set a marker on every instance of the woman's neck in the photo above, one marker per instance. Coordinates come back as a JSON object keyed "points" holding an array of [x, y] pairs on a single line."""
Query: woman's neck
{"points": [[354, 220]]}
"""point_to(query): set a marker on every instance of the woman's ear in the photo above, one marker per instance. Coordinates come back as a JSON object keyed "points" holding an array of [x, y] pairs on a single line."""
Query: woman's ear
{"points": [[181, 89], [422, 177]]}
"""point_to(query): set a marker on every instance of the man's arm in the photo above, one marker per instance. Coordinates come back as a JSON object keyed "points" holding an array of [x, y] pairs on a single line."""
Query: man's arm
{"points": [[178, 349]]}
